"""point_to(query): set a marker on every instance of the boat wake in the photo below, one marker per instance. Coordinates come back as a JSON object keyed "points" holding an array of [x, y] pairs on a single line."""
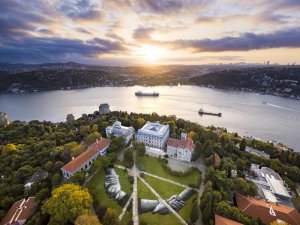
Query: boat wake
{"points": [[281, 107]]}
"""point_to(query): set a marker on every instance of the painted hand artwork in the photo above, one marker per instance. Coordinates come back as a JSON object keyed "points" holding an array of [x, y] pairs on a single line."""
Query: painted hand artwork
{"points": [[113, 189]]}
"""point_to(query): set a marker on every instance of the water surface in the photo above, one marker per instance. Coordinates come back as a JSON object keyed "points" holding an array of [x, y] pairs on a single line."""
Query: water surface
{"points": [[263, 116]]}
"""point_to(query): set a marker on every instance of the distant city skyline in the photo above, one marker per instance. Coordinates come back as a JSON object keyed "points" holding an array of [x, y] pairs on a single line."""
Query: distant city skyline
{"points": [[141, 32]]}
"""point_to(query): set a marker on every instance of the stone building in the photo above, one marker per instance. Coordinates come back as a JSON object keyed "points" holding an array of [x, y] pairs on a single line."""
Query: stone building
{"points": [[4, 120], [104, 109], [70, 118]]}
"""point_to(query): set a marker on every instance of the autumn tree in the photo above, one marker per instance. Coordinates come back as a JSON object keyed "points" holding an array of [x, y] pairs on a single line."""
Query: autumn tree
{"points": [[87, 219], [276, 222], [111, 217], [66, 203], [9, 148]]}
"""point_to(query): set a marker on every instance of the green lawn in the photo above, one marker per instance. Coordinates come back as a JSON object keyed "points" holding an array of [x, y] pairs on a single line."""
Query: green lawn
{"points": [[101, 199], [154, 165], [154, 219], [165, 190]]}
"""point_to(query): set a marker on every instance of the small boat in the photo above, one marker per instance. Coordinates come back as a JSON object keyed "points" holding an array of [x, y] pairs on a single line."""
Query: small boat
{"points": [[153, 94], [202, 112]]}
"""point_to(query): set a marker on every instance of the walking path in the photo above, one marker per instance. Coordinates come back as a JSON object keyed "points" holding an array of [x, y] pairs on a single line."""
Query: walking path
{"points": [[135, 213], [170, 181], [125, 207], [164, 202]]}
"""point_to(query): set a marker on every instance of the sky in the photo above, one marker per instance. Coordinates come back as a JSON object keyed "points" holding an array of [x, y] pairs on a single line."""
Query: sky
{"points": [[139, 32]]}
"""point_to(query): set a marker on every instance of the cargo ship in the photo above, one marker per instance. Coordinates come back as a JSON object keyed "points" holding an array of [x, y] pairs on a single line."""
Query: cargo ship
{"points": [[202, 112], [140, 93]]}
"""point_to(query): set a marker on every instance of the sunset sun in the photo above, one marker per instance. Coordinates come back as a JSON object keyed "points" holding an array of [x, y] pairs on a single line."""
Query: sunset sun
{"points": [[151, 53]]}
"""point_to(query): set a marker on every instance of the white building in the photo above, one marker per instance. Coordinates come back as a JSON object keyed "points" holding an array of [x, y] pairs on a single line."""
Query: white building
{"points": [[85, 159], [270, 182], [153, 134], [120, 131], [182, 149]]}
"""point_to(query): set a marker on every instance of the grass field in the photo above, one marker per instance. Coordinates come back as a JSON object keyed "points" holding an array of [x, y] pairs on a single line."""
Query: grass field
{"points": [[154, 165], [165, 190], [101, 199]]}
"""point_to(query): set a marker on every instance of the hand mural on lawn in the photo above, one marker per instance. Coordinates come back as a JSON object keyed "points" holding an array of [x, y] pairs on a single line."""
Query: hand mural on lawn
{"points": [[113, 189]]}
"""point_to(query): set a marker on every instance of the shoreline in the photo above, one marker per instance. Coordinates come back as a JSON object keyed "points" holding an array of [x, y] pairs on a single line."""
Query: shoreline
{"points": [[122, 86]]}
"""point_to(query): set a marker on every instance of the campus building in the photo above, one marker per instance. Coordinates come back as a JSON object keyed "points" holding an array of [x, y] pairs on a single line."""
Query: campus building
{"points": [[220, 220], [267, 211], [85, 159], [120, 131], [181, 149], [270, 184], [153, 134], [20, 212]]}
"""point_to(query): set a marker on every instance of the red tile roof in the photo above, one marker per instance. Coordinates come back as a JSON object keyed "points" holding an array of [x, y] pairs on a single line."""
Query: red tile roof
{"points": [[19, 212], [259, 208], [217, 160], [188, 143], [220, 220], [86, 155]]}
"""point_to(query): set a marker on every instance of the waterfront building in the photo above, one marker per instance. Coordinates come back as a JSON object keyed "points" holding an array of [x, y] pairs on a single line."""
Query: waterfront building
{"points": [[70, 118], [85, 159], [153, 134], [270, 184], [120, 131], [181, 149], [104, 109], [4, 120], [20, 212], [267, 211]]}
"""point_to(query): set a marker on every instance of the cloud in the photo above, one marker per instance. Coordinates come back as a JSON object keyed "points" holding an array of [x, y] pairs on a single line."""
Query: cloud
{"points": [[244, 42], [81, 10], [16, 20], [35, 49], [143, 33], [169, 6]]}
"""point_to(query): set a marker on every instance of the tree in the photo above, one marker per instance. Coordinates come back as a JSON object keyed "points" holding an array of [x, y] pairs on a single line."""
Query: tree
{"points": [[91, 138], [116, 144], [128, 157], [195, 212], [243, 145], [56, 179], [9, 148], [42, 194], [78, 177], [87, 219], [110, 217], [97, 164], [139, 148], [84, 130], [66, 203]]}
